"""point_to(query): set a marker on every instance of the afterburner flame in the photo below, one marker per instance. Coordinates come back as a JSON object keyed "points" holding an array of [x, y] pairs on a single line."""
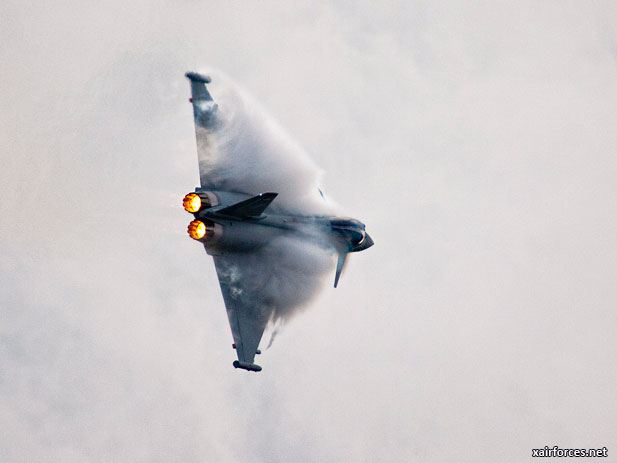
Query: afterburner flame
{"points": [[192, 203], [197, 229]]}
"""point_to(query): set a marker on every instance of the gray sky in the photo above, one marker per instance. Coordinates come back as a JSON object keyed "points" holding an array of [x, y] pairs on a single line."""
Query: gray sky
{"points": [[476, 142]]}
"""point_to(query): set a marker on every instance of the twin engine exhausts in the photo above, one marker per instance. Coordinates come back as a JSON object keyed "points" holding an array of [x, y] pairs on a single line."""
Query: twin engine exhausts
{"points": [[193, 203]]}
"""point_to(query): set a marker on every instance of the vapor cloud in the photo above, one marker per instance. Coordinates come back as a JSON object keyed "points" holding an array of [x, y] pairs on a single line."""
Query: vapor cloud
{"points": [[246, 151], [242, 149]]}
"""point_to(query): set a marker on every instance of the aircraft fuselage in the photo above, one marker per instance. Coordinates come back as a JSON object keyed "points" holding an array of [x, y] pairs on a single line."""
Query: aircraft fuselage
{"points": [[228, 231]]}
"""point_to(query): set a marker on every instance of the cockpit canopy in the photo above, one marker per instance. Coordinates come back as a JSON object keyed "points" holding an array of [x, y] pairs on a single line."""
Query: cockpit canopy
{"points": [[346, 222], [351, 230]]}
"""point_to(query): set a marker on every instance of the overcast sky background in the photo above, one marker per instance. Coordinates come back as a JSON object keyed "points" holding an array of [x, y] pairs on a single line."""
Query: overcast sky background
{"points": [[478, 143]]}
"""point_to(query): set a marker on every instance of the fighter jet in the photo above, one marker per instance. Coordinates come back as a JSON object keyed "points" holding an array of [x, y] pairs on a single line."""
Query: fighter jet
{"points": [[241, 227]]}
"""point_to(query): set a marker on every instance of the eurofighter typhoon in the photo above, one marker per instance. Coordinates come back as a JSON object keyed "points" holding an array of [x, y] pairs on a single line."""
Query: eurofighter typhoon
{"points": [[260, 214]]}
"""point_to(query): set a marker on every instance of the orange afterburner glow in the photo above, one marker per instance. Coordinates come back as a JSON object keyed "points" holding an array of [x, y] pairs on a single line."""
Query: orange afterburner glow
{"points": [[197, 229], [192, 203]]}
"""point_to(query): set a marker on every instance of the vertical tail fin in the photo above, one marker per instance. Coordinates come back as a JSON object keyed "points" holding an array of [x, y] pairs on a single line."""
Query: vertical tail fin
{"points": [[252, 207]]}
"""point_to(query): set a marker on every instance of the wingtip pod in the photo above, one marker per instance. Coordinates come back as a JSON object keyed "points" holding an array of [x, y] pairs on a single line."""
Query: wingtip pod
{"points": [[195, 76], [246, 366]]}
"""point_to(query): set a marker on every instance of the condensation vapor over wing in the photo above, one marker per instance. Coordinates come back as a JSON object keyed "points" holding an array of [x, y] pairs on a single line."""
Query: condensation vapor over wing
{"points": [[241, 148]]}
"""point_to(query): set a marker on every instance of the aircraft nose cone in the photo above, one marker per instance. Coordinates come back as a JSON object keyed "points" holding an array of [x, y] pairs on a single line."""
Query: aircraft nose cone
{"points": [[368, 241], [365, 244]]}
